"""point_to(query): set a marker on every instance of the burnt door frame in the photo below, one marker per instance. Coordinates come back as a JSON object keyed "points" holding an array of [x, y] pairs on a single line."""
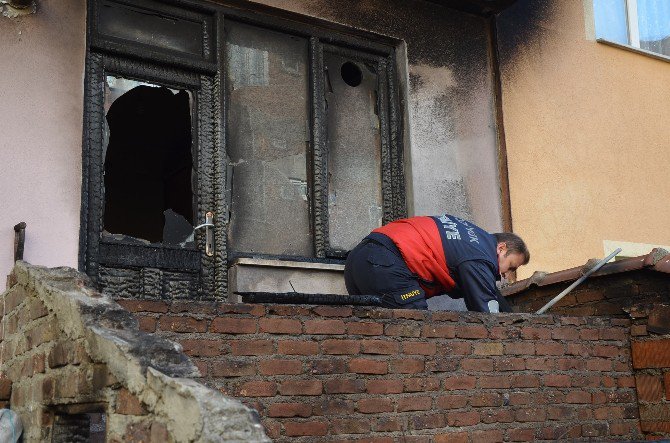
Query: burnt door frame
{"points": [[156, 270]]}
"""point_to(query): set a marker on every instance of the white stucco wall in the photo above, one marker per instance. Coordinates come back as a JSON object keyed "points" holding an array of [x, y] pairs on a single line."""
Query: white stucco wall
{"points": [[41, 108]]}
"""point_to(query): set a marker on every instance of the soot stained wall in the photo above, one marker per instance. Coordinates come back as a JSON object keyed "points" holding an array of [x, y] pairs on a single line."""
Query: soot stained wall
{"points": [[452, 162]]}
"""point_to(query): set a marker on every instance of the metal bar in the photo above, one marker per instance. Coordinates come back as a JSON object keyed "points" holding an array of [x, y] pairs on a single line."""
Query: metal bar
{"points": [[577, 282], [19, 240]]}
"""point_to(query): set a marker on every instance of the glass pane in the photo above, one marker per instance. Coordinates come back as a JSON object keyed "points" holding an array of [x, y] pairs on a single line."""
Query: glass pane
{"points": [[267, 92], [150, 28], [148, 162], [354, 151], [610, 17], [654, 23]]}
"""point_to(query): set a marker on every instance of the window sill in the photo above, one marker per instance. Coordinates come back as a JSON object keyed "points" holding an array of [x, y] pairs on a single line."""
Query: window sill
{"points": [[665, 58]]}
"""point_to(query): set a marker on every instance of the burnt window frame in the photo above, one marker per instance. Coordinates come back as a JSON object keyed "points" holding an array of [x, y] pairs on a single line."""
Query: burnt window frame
{"points": [[205, 77]]}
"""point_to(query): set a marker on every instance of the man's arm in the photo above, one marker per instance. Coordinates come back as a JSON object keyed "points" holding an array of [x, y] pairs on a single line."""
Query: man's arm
{"points": [[478, 285]]}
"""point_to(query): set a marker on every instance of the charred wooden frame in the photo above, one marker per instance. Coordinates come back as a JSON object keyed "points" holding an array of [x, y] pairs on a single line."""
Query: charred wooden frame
{"points": [[142, 267]]}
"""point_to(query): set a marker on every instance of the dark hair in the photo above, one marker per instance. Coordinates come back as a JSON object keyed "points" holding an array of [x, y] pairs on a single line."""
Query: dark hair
{"points": [[514, 244]]}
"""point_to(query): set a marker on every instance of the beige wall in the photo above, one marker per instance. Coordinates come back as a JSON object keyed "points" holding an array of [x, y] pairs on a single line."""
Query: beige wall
{"points": [[41, 100], [587, 133]]}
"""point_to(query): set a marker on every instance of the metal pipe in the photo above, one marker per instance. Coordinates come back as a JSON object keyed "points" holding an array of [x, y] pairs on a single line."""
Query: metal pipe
{"points": [[578, 282], [19, 240]]}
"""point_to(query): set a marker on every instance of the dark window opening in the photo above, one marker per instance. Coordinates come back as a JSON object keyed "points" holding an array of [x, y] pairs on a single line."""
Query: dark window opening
{"points": [[351, 74], [149, 177], [75, 428]]}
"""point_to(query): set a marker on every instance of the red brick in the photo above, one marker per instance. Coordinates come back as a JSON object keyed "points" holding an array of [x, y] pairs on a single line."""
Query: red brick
{"points": [[551, 348], [252, 347], [333, 311], [201, 348], [495, 382], [334, 407], [144, 306], [599, 364], [364, 328], [463, 418], [418, 348], [525, 381], [540, 364], [414, 404], [409, 314], [570, 364], [521, 434], [488, 436], [241, 308], [458, 382], [439, 331], [374, 405], [128, 404], [422, 384], [350, 426], [327, 366], [578, 397], [476, 331], [530, 415], [272, 428], [638, 330], [655, 426], [227, 325], [193, 307], [477, 364], [288, 311], [531, 333], [589, 334], [366, 366], [565, 334], [381, 386], [445, 316], [481, 400], [497, 416], [297, 347], [614, 334], [276, 367], [380, 347], [182, 324], [520, 348], [606, 351], [451, 437], [344, 386], [557, 381], [279, 326], [429, 421], [258, 389], [666, 380], [390, 424], [454, 401], [649, 387], [325, 327], [406, 366], [561, 432], [232, 368], [340, 347], [442, 365], [289, 410], [301, 387], [402, 330], [5, 388], [299, 429], [148, 324], [452, 348], [510, 364], [651, 354]]}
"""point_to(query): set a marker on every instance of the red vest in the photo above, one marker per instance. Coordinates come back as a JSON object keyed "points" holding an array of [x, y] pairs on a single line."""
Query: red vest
{"points": [[420, 244]]}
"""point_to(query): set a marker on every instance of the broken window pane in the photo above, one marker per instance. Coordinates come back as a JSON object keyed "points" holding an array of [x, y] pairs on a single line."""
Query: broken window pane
{"points": [[267, 92], [149, 164], [354, 151]]}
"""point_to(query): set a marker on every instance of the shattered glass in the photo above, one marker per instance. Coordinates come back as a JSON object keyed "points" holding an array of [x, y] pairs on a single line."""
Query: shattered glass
{"points": [[148, 156], [268, 134], [354, 151]]}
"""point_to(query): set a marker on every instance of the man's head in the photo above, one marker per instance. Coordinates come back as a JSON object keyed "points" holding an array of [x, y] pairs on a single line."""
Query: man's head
{"points": [[512, 252]]}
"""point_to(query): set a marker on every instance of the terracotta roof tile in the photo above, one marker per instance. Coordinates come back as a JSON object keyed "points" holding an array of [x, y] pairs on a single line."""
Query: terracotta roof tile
{"points": [[657, 260]]}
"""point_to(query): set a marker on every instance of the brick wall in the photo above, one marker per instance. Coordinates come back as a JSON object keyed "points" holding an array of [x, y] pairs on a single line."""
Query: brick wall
{"points": [[342, 374], [75, 367]]}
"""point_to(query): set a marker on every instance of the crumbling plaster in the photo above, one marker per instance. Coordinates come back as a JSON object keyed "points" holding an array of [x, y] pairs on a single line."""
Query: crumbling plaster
{"points": [[151, 368], [41, 104]]}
